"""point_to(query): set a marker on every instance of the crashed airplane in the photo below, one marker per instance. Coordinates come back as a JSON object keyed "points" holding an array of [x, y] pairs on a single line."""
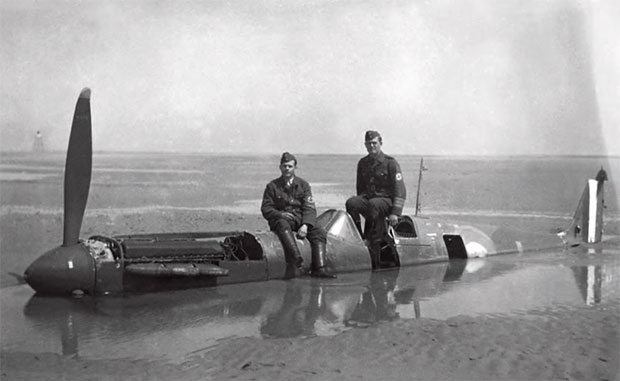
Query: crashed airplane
{"points": [[155, 262]]}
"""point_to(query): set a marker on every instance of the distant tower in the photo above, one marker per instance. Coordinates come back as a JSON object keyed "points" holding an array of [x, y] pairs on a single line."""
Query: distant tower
{"points": [[37, 146]]}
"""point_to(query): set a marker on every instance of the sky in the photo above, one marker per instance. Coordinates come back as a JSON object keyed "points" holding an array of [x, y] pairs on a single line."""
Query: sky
{"points": [[441, 77]]}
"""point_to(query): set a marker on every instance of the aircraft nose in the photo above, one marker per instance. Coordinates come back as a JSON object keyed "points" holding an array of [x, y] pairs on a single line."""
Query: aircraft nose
{"points": [[62, 270]]}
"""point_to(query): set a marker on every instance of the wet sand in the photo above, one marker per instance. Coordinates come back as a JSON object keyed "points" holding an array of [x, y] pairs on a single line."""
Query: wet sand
{"points": [[576, 343], [460, 348], [580, 346]]}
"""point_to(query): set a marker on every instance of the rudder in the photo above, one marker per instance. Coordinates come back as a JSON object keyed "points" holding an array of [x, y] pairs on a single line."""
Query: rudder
{"points": [[587, 223]]}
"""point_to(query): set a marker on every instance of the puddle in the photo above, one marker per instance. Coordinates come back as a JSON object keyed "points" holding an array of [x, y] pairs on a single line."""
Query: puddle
{"points": [[172, 324]]}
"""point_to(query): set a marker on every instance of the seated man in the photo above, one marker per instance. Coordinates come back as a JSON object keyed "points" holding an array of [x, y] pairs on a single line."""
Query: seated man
{"points": [[287, 205], [381, 190]]}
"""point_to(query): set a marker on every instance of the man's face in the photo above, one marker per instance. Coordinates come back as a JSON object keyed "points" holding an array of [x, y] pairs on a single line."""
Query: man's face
{"points": [[373, 146], [288, 168]]}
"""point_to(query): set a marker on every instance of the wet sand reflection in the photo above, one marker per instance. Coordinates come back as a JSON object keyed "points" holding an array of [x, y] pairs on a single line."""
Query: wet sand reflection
{"points": [[173, 324]]}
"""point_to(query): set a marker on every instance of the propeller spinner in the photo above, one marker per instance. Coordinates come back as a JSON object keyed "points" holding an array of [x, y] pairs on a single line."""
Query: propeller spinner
{"points": [[70, 267]]}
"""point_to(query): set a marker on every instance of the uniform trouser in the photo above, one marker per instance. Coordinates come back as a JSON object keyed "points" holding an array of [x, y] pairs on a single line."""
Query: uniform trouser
{"points": [[374, 211], [315, 233]]}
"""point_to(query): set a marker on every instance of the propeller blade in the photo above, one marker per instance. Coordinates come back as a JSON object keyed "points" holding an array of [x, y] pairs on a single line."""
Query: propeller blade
{"points": [[78, 168]]}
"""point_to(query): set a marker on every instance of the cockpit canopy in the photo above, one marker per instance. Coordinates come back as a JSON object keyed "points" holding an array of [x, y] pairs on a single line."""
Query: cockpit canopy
{"points": [[338, 223]]}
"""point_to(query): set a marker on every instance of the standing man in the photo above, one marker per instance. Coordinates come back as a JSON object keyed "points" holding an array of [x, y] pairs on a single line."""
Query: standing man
{"points": [[288, 206], [380, 190]]}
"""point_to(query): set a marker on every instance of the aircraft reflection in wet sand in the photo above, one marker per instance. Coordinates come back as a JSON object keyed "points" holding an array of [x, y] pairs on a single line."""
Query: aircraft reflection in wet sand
{"points": [[196, 320]]}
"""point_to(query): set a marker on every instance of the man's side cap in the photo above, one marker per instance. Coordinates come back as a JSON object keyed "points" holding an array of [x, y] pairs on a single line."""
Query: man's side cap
{"points": [[286, 156], [372, 134]]}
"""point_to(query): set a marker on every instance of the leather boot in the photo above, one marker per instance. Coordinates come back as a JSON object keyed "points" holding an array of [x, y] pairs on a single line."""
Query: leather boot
{"points": [[318, 261], [375, 253], [291, 251]]}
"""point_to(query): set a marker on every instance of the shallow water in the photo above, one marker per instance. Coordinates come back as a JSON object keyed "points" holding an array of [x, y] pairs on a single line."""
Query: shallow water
{"points": [[172, 325]]}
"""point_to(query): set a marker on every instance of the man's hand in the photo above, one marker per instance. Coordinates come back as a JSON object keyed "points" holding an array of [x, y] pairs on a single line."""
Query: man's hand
{"points": [[288, 216], [302, 232], [393, 219]]}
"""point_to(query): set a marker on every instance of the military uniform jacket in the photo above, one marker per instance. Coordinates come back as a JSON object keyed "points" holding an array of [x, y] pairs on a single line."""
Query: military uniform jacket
{"points": [[296, 199], [381, 177]]}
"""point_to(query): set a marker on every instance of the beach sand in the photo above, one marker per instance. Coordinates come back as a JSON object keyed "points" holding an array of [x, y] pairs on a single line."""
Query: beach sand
{"points": [[554, 346], [575, 344]]}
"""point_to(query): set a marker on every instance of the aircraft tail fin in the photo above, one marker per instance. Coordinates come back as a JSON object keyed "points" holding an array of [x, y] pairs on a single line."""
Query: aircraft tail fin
{"points": [[587, 223]]}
